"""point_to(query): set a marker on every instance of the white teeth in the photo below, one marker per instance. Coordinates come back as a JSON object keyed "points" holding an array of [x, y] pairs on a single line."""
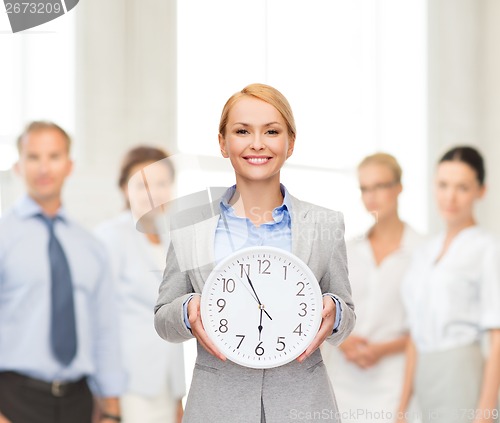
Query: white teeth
{"points": [[256, 160]]}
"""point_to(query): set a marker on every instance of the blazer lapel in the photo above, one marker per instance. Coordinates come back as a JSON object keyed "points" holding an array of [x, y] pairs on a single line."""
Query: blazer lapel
{"points": [[303, 230], [204, 246]]}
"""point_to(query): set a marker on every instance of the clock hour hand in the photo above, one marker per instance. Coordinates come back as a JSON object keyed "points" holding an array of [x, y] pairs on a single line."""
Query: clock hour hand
{"points": [[265, 311], [260, 324], [256, 296]]}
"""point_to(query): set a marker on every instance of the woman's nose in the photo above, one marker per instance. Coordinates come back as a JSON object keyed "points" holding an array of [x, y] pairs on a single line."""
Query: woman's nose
{"points": [[257, 142]]}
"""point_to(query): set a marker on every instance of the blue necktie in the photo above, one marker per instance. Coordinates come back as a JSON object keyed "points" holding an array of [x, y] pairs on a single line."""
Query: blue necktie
{"points": [[62, 319]]}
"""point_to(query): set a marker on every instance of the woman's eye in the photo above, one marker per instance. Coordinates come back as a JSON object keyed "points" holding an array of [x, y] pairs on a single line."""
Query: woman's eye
{"points": [[273, 132], [241, 131]]}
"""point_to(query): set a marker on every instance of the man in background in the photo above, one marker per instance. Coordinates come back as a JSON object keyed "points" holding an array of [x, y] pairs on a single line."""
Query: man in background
{"points": [[58, 331]]}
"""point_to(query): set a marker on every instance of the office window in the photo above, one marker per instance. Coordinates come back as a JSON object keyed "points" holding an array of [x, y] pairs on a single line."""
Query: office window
{"points": [[37, 79], [354, 72]]}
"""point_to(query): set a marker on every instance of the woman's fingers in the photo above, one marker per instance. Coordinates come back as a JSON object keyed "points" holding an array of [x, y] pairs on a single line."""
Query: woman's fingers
{"points": [[325, 329], [201, 335], [194, 316]]}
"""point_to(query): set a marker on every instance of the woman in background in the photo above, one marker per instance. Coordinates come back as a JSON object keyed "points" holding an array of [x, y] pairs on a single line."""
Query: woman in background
{"points": [[452, 294], [368, 367], [156, 382]]}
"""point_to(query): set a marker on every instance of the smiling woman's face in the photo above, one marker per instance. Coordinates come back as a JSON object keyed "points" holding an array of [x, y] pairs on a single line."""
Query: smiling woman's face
{"points": [[256, 140]]}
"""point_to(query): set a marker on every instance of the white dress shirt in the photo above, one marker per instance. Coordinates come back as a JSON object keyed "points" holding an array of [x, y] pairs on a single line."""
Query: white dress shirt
{"points": [[451, 301], [376, 291]]}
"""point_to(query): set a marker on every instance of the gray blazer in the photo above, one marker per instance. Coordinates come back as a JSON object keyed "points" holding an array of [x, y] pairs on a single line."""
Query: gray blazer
{"points": [[224, 392]]}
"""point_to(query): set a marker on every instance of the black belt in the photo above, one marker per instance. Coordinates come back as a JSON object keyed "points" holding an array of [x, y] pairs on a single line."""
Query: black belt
{"points": [[56, 388]]}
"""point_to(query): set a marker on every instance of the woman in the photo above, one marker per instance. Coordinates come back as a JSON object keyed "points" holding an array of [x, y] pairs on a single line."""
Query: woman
{"points": [[367, 369], [257, 134], [452, 295], [155, 369]]}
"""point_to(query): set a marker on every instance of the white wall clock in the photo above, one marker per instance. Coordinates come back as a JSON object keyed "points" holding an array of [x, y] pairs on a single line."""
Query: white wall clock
{"points": [[261, 306]]}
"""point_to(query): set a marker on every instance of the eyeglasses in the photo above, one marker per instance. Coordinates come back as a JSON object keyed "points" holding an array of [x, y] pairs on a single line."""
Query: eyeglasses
{"points": [[378, 187]]}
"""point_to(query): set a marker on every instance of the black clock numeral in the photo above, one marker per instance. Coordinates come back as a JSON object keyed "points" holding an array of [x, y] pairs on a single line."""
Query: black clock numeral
{"points": [[221, 303], [285, 268], [280, 342], [259, 350], [242, 338], [298, 329], [223, 326], [304, 309], [243, 271], [264, 266], [300, 294], [228, 285]]}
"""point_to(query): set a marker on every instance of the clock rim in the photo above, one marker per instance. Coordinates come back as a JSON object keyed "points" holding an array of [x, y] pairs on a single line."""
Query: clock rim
{"points": [[260, 249]]}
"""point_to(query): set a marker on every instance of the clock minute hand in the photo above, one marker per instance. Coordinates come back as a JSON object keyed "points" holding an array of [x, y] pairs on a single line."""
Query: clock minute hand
{"points": [[253, 289], [256, 296], [247, 288]]}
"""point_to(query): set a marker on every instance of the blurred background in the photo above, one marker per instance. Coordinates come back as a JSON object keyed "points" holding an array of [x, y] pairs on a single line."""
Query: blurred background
{"points": [[410, 77]]}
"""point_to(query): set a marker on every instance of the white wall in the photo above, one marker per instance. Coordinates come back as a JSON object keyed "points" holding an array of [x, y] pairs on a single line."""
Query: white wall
{"points": [[464, 91], [125, 86], [37, 82], [489, 92], [353, 71], [126, 90]]}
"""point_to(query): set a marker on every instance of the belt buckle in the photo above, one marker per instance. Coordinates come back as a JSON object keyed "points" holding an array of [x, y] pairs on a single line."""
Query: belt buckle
{"points": [[56, 388]]}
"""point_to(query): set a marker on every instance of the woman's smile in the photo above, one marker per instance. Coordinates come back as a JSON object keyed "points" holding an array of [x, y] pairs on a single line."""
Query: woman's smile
{"points": [[257, 160]]}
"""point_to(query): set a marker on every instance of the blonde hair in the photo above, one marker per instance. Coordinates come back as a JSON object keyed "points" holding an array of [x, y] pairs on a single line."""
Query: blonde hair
{"points": [[386, 160], [265, 93]]}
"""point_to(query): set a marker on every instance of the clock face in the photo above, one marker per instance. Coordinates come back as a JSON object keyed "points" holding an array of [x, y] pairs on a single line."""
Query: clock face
{"points": [[261, 307]]}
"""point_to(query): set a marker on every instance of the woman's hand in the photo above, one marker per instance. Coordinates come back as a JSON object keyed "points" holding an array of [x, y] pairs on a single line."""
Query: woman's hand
{"points": [[325, 330], [369, 355], [351, 347], [361, 352], [482, 416], [197, 329], [400, 417], [179, 412], [487, 409]]}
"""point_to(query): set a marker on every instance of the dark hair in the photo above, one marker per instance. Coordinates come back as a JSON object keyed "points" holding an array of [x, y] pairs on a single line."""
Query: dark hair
{"points": [[142, 154], [469, 156], [42, 125]]}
